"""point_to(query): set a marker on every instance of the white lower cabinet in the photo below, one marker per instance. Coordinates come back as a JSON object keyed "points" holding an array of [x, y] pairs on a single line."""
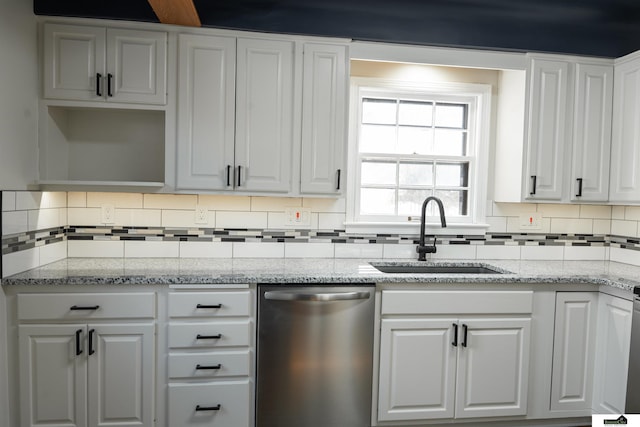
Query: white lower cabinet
{"points": [[87, 375], [613, 340], [464, 365], [573, 353], [210, 358]]}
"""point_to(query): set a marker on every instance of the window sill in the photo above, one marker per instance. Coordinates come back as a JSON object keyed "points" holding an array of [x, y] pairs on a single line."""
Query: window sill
{"points": [[414, 228]]}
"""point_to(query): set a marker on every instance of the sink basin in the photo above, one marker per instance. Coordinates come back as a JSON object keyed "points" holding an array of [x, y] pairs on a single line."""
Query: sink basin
{"points": [[436, 269]]}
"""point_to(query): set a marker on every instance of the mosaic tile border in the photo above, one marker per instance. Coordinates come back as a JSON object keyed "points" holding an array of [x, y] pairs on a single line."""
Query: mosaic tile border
{"points": [[23, 241]]}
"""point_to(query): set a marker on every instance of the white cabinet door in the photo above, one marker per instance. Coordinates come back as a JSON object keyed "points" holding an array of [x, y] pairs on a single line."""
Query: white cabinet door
{"points": [[612, 354], [592, 132], [95, 64], [264, 115], [573, 350], [417, 369], [625, 143], [136, 70], [493, 367], [324, 100], [206, 119], [224, 404], [547, 129], [53, 375], [121, 371], [74, 62]]}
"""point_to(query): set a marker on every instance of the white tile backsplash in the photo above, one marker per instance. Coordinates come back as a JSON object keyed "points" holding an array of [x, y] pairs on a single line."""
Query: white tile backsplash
{"points": [[331, 221], [206, 249], [497, 224], [151, 249], [309, 250], [170, 201], [264, 204], [84, 216], [625, 256], [185, 219], [8, 201], [396, 251], [571, 226], [138, 217], [95, 248], [53, 252], [26, 200], [325, 205], [595, 211], [542, 253], [225, 203], [559, 211], [44, 218], [585, 253], [358, 250], [258, 250], [624, 228], [455, 252], [117, 200], [632, 213], [18, 262], [76, 199], [498, 252], [241, 219], [601, 226], [513, 209], [15, 222]]}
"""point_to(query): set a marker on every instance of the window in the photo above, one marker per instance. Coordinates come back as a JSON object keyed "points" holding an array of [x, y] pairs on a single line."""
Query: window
{"points": [[415, 142]]}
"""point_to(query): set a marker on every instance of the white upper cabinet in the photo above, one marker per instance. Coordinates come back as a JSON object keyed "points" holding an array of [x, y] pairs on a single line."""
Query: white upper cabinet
{"points": [[96, 64], [625, 145], [264, 115], [568, 123], [324, 119], [592, 132], [206, 111], [547, 137]]}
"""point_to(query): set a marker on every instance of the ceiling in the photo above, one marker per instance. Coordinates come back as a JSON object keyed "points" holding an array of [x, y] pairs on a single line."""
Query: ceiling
{"points": [[608, 28]]}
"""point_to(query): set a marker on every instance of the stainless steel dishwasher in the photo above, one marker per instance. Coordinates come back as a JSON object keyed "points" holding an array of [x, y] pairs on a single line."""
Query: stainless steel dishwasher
{"points": [[314, 356], [633, 379]]}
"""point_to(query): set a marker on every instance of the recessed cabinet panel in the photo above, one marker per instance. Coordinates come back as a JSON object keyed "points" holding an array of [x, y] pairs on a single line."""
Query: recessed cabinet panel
{"points": [[493, 368], [73, 57], [573, 352], [264, 115], [417, 369], [136, 66], [625, 144], [206, 119], [324, 119], [592, 132], [547, 129]]}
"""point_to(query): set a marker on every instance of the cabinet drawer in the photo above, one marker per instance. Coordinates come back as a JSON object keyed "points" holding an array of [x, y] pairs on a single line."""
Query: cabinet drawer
{"points": [[458, 302], [210, 365], [209, 304], [72, 306], [233, 398], [210, 334]]}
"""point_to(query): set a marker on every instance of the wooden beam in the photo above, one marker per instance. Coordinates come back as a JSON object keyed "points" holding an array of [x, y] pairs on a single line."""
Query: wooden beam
{"points": [[178, 12]]}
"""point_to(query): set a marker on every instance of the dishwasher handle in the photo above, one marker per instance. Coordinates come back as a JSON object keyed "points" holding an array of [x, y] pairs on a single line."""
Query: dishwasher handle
{"points": [[315, 296]]}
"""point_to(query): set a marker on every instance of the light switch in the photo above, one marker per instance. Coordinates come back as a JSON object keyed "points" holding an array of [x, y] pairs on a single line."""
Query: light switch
{"points": [[300, 217]]}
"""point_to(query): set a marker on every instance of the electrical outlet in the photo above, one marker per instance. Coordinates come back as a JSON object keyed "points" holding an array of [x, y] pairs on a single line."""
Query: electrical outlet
{"points": [[107, 214], [297, 217], [531, 221], [202, 215]]}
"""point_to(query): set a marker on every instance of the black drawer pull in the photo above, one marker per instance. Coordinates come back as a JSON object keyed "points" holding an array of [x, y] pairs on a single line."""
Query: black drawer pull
{"points": [[534, 180], [579, 194], [208, 408], [81, 307], [109, 84], [208, 337], [464, 335], [218, 366], [209, 306], [98, 80], [455, 335], [78, 349], [91, 349]]}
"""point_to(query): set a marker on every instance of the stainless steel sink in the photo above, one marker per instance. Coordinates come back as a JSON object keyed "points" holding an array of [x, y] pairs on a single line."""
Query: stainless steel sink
{"points": [[436, 269]]}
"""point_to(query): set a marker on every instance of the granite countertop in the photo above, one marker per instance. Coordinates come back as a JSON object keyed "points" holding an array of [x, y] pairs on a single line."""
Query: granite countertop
{"points": [[140, 271]]}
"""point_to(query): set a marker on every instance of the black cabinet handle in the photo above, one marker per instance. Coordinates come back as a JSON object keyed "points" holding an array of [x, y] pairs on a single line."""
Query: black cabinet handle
{"points": [[91, 350], [208, 337], [98, 80], [208, 408], [455, 335], [109, 84], [464, 335], [218, 366], [338, 180], [579, 187], [533, 184], [82, 307], [228, 175], [209, 306], [239, 175], [78, 349]]}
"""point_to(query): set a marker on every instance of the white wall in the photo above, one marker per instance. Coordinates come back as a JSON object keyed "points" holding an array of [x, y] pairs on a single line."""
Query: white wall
{"points": [[19, 89]]}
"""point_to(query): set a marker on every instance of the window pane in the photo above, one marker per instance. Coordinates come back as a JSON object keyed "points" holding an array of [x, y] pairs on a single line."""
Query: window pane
{"points": [[451, 115], [377, 139], [414, 140], [416, 174], [410, 201], [452, 174], [378, 173], [450, 142], [455, 202], [415, 113], [375, 201], [379, 111]]}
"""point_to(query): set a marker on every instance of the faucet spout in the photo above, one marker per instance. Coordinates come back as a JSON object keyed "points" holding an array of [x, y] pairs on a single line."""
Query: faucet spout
{"points": [[421, 249]]}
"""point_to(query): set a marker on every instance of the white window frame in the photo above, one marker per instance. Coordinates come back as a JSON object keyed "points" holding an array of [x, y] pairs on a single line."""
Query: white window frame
{"points": [[479, 98]]}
